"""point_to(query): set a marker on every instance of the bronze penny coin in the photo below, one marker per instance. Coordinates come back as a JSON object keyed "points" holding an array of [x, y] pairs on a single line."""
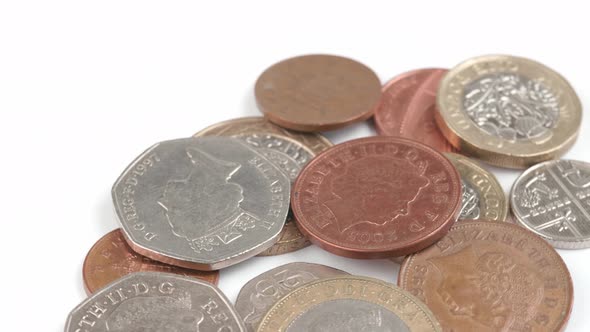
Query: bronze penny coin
{"points": [[111, 258], [407, 108], [317, 92], [488, 276], [377, 197]]}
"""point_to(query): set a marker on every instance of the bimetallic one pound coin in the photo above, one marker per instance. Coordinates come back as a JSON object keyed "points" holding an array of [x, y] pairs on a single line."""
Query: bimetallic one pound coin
{"points": [[489, 276], [552, 199], [261, 293], [155, 301], [483, 196], [204, 203], [349, 303], [111, 258], [291, 149], [377, 197], [317, 92], [407, 108], [508, 111]]}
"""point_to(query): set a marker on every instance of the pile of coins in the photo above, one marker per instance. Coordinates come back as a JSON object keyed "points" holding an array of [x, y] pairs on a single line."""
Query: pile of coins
{"points": [[270, 185]]}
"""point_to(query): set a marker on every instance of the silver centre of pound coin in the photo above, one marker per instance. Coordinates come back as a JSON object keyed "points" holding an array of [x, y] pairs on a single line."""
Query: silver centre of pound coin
{"points": [[345, 315], [469, 202], [552, 199], [204, 203], [262, 292], [285, 153], [511, 106], [154, 302]]}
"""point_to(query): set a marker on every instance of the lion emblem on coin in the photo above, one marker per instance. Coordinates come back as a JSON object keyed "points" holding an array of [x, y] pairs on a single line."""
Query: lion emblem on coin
{"points": [[491, 289], [376, 191]]}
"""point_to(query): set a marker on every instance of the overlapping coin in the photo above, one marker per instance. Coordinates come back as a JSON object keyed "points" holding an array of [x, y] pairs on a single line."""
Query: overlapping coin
{"points": [[552, 199], [407, 108], [377, 197], [349, 304], [509, 111], [289, 150], [317, 92], [155, 301], [261, 293], [111, 258], [203, 203], [483, 196], [490, 276]]}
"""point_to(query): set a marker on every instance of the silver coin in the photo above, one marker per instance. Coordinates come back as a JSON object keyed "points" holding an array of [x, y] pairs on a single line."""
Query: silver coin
{"points": [[204, 203], [155, 301], [344, 315], [262, 292], [552, 199], [287, 154]]}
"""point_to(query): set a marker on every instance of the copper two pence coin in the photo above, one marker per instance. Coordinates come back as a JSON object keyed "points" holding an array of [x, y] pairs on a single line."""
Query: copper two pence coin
{"points": [[408, 106], [377, 197], [111, 258], [488, 276], [317, 92]]}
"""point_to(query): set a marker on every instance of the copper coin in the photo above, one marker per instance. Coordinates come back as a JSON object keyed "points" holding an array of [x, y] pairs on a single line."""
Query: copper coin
{"points": [[488, 276], [317, 92], [377, 197], [111, 258], [407, 108]]}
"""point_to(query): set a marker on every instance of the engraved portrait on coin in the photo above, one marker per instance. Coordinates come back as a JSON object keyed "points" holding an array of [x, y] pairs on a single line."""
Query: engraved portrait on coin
{"points": [[155, 302], [375, 190], [508, 111], [203, 203], [552, 199]]}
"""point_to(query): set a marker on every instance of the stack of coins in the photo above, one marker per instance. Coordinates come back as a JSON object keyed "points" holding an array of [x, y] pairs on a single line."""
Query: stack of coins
{"points": [[271, 185]]}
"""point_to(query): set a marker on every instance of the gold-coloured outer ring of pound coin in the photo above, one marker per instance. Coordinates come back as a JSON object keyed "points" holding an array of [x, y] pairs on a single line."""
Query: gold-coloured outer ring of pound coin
{"points": [[416, 316], [515, 108], [290, 238], [492, 203]]}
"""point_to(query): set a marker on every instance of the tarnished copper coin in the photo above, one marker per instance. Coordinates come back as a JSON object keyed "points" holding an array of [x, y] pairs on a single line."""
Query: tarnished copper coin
{"points": [[111, 258], [487, 276], [407, 108], [377, 197], [317, 92]]}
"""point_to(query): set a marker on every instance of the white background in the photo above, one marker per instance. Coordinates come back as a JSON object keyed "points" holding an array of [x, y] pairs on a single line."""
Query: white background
{"points": [[85, 86]]}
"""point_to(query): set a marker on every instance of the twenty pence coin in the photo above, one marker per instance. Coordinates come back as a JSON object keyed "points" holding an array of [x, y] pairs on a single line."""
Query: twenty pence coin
{"points": [[349, 304], [317, 92], [111, 258], [263, 291], [155, 301], [552, 200], [377, 197], [489, 276], [407, 108], [508, 111]]}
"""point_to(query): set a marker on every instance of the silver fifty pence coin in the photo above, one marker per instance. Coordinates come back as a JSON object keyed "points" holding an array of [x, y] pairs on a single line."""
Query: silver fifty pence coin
{"points": [[155, 301], [263, 291], [203, 203], [552, 199]]}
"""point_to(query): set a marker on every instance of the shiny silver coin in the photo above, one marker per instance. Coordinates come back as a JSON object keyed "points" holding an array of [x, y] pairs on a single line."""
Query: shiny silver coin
{"points": [[155, 301], [204, 203], [552, 199], [262, 292]]}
